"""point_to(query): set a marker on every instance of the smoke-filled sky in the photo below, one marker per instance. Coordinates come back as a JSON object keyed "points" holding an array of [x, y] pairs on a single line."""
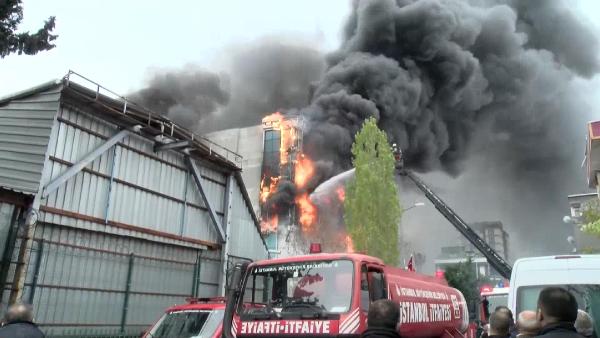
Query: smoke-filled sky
{"points": [[487, 98]]}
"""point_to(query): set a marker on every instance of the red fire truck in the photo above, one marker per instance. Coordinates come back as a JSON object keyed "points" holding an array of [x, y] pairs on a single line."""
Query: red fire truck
{"points": [[328, 295]]}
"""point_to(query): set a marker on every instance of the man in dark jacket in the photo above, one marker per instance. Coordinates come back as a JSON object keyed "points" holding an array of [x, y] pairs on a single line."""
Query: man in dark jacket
{"points": [[19, 323], [557, 312], [499, 325], [512, 331], [382, 320]]}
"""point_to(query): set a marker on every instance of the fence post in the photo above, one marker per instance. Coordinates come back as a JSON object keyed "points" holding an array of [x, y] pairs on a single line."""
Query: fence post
{"points": [[127, 291], [36, 273], [197, 269], [9, 248]]}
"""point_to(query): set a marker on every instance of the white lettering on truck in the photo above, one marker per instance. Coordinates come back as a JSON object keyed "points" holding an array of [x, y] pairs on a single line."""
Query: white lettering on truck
{"points": [[286, 327]]}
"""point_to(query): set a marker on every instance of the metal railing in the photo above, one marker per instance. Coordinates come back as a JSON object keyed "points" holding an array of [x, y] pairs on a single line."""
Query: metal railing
{"points": [[168, 127]]}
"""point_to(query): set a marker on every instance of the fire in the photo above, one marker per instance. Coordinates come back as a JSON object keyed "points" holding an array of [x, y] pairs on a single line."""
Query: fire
{"points": [[266, 190], [269, 225], [303, 171], [308, 212], [349, 244], [341, 193]]}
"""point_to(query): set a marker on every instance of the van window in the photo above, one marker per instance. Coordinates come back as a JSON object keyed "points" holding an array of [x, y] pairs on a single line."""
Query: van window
{"points": [[587, 295]]}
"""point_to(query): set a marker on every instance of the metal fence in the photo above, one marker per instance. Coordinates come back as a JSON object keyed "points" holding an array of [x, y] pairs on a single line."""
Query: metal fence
{"points": [[80, 291]]}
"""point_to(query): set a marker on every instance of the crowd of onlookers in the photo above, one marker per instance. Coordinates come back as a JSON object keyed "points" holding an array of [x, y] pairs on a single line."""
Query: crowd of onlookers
{"points": [[557, 316]]}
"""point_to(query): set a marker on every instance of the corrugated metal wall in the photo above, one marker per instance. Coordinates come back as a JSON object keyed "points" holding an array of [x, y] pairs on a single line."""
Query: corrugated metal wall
{"points": [[245, 240], [25, 126], [130, 212], [129, 184]]}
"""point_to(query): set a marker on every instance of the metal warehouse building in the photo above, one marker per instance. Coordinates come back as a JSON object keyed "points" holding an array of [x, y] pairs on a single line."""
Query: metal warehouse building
{"points": [[110, 212]]}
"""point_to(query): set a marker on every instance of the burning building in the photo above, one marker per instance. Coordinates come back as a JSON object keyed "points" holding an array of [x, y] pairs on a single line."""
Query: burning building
{"points": [[279, 174]]}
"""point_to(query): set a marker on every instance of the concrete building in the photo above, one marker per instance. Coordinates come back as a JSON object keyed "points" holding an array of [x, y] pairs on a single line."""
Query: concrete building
{"points": [[493, 234], [248, 142], [452, 255], [110, 212]]}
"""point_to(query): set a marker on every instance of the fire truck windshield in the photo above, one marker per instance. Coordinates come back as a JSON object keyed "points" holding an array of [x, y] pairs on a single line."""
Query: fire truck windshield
{"points": [[318, 287]]}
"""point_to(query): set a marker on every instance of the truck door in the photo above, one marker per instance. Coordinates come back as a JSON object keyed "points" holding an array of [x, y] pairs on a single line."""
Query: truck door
{"points": [[372, 286]]}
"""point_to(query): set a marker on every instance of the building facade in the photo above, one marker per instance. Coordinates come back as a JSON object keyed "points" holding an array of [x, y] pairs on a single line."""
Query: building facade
{"points": [[270, 152], [494, 235], [110, 212], [592, 155]]}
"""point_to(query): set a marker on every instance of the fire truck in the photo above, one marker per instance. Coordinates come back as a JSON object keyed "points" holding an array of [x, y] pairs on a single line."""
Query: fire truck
{"points": [[490, 299], [328, 295]]}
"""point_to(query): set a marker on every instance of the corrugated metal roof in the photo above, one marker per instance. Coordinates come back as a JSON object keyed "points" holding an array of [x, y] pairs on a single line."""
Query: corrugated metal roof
{"points": [[26, 120]]}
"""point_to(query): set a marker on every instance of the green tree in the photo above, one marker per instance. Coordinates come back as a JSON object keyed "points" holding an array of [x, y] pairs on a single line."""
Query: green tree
{"points": [[591, 218], [371, 209], [461, 276], [11, 14]]}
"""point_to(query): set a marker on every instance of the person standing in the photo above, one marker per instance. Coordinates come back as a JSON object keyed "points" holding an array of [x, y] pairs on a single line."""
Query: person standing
{"points": [[18, 323], [382, 321], [584, 324], [527, 324], [499, 325], [557, 312]]}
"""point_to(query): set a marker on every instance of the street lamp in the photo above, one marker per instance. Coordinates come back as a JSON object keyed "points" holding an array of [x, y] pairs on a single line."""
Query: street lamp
{"points": [[417, 204]]}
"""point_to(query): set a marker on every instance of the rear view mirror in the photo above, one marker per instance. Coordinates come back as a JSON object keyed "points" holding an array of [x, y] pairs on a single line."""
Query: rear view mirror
{"points": [[233, 292], [236, 277]]}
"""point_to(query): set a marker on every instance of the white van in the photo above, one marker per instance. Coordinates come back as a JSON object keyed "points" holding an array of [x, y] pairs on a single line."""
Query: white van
{"points": [[580, 274]]}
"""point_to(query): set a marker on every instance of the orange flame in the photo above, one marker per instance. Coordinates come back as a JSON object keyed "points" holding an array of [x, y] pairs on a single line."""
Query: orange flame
{"points": [[349, 244], [341, 193], [303, 171], [265, 190], [308, 212], [287, 131], [269, 225]]}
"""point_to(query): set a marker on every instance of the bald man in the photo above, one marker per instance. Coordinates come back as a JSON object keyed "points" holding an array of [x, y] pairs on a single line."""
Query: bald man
{"points": [[19, 323], [584, 324], [527, 324]]}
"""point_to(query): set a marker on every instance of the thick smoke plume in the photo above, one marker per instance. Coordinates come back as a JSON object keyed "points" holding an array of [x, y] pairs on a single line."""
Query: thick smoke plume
{"points": [[262, 77], [483, 89], [434, 73], [188, 96]]}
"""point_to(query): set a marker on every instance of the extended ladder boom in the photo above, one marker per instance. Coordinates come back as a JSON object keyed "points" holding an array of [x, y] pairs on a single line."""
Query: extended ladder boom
{"points": [[493, 258]]}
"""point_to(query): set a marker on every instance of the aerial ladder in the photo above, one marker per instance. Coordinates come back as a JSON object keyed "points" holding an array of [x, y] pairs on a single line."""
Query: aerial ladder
{"points": [[493, 258]]}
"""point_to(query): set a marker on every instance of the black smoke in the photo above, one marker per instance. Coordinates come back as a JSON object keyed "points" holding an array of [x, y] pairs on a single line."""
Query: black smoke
{"points": [[188, 96], [260, 78], [483, 90], [433, 72]]}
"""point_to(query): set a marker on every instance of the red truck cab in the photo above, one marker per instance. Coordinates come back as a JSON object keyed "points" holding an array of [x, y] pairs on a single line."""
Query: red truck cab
{"points": [[328, 295]]}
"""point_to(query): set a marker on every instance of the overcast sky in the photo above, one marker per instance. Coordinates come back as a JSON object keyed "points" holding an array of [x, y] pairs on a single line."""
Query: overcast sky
{"points": [[117, 43]]}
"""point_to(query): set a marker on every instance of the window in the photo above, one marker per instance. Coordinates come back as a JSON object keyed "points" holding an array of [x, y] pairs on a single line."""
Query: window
{"points": [[587, 295], [271, 153], [186, 324], [300, 287]]}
